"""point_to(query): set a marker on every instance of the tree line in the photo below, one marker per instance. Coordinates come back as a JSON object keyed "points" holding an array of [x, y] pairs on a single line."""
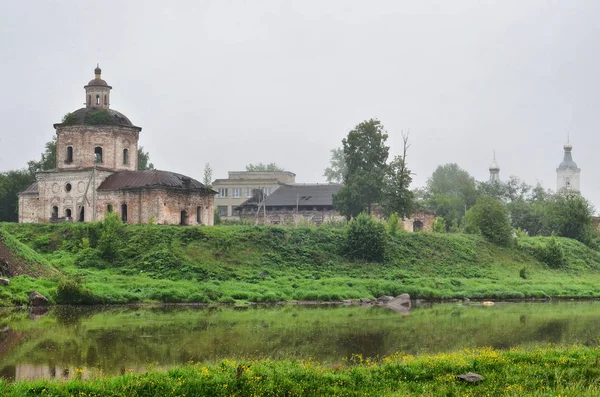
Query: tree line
{"points": [[495, 209]]}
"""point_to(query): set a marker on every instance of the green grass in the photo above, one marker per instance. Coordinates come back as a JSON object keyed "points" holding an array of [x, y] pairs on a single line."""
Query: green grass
{"points": [[541, 372], [269, 264]]}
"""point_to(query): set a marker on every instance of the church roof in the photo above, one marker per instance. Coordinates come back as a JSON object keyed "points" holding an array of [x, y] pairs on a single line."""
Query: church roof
{"points": [[31, 189], [98, 82], [301, 194], [148, 179], [568, 163], [96, 116]]}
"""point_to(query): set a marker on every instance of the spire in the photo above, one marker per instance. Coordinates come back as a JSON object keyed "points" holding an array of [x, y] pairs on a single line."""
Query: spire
{"points": [[568, 147], [494, 170], [97, 71]]}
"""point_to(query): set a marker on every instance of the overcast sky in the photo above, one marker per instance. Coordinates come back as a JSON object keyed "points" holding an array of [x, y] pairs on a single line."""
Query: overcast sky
{"points": [[238, 82]]}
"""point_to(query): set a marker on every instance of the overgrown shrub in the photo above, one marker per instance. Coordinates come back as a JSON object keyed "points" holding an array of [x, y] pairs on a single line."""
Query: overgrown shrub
{"points": [[392, 224], [489, 217], [365, 239], [89, 257], [551, 254], [70, 292], [438, 225], [110, 239]]}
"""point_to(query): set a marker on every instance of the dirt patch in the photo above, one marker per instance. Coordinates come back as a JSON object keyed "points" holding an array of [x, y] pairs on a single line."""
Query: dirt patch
{"points": [[11, 265]]}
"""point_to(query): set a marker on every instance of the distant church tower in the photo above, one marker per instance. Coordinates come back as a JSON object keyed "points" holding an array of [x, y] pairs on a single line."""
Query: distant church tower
{"points": [[567, 173], [494, 170]]}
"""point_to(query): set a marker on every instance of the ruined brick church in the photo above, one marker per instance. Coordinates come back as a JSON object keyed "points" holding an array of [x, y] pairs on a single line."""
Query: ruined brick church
{"points": [[97, 173]]}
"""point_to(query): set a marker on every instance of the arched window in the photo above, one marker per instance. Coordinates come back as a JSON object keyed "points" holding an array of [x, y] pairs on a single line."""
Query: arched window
{"points": [[109, 208], [89, 99], [82, 214], [105, 100], [184, 218], [69, 158], [417, 226], [124, 213], [55, 212], [125, 156], [98, 154], [97, 99], [199, 215], [68, 213]]}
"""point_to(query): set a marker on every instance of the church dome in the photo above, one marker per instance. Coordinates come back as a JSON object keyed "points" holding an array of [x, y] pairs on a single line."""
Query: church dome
{"points": [[568, 163], [97, 82], [494, 166], [95, 116]]}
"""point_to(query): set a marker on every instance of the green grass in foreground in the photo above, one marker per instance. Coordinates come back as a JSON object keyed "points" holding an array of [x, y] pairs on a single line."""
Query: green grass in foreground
{"points": [[542, 372]]}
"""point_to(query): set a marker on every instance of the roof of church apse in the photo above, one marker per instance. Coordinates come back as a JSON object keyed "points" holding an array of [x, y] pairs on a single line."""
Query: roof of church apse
{"points": [[148, 179]]}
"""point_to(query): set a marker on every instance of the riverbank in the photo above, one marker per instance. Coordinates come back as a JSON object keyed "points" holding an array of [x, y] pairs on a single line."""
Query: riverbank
{"points": [[240, 264], [539, 372]]}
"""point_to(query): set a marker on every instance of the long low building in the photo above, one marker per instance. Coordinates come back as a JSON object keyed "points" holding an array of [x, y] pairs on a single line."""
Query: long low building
{"points": [[291, 204]]}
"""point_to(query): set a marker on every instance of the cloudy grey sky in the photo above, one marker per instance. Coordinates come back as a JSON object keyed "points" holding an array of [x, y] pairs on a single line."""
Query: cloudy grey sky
{"points": [[234, 82]]}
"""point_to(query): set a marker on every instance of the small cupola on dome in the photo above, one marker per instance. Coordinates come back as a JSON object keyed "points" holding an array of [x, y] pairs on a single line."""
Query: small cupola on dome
{"points": [[97, 91], [494, 170]]}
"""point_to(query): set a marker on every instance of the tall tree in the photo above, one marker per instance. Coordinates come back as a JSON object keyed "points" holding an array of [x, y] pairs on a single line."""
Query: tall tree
{"points": [[366, 156], [569, 214], [397, 197], [11, 184], [260, 167], [47, 160], [337, 166], [208, 172], [144, 160], [450, 191]]}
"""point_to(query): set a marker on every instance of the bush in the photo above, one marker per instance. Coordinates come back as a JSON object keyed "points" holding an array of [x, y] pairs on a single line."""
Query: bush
{"points": [[110, 239], [392, 224], [71, 292], [89, 257], [551, 254], [489, 217], [365, 239], [523, 273], [438, 225]]}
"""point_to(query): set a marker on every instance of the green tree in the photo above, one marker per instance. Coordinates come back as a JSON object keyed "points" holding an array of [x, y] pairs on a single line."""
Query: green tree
{"points": [[337, 166], [397, 196], [47, 159], [450, 191], [260, 167], [569, 214], [144, 160], [11, 184], [366, 156], [490, 218], [208, 172]]}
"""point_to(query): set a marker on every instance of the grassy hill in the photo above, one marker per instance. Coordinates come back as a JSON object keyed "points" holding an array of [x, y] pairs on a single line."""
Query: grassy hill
{"points": [[268, 264]]}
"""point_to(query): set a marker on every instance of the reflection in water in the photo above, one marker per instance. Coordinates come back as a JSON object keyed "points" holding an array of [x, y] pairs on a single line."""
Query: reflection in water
{"points": [[70, 342]]}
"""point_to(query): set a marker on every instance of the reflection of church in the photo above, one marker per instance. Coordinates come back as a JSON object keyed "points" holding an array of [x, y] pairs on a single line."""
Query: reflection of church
{"points": [[96, 172], [567, 173]]}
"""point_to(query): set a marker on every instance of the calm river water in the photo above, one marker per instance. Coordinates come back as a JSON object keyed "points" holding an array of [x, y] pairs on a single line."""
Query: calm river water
{"points": [[119, 339]]}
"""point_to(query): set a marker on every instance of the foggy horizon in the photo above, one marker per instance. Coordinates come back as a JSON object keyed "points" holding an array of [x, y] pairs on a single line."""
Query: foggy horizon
{"points": [[233, 83]]}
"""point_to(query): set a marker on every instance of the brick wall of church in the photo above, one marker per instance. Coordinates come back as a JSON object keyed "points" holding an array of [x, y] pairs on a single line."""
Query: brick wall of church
{"points": [[84, 138], [164, 205]]}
